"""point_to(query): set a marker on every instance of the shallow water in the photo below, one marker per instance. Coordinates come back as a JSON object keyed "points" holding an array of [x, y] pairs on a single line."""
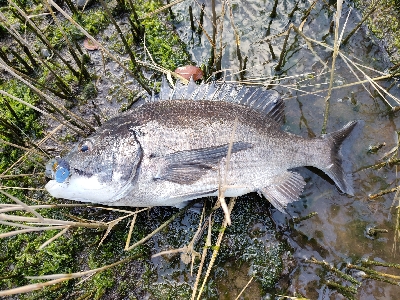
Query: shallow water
{"points": [[262, 241], [337, 234]]}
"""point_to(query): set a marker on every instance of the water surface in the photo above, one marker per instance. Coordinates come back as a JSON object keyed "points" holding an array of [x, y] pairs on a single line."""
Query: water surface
{"points": [[338, 233]]}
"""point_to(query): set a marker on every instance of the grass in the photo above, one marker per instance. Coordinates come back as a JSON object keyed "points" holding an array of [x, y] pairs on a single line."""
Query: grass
{"points": [[92, 252]]}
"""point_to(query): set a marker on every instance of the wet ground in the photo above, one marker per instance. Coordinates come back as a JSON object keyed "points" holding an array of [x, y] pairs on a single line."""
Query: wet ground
{"points": [[262, 242], [338, 233]]}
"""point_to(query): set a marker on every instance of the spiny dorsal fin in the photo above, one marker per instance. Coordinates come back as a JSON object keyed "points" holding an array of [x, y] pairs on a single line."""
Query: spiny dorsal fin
{"points": [[267, 102]]}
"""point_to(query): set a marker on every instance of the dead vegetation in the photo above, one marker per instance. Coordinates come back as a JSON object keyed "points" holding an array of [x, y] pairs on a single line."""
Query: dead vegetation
{"points": [[22, 218]]}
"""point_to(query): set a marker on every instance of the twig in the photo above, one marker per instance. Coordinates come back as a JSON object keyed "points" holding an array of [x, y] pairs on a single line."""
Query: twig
{"points": [[161, 9], [335, 54], [25, 207], [178, 214], [93, 40], [245, 287], [203, 257], [374, 6], [384, 192], [216, 248]]}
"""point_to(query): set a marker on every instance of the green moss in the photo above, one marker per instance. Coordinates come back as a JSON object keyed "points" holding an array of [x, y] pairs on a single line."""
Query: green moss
{"points": [[170, 291], [18, 125], [166, 48], [21, 257], [251, 239], [384, 23], [94, 21], [89, 91], [162, 42]]}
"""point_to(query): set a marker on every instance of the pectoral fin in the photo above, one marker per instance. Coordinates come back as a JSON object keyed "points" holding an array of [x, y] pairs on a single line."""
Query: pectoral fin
{"points": [[284, 189], [188, 166]]}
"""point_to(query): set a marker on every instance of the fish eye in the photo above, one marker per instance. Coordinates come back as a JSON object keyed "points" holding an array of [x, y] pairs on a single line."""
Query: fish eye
{"points": [[85, 146]]}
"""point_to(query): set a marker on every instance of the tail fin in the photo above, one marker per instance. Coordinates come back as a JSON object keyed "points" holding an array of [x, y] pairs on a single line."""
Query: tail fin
{"points": [[340, 169]]}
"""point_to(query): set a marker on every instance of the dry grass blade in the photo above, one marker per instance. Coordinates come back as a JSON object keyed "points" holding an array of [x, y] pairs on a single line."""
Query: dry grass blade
{"points": [[377, 87], [17, 232], [335, 54], [223, 187], [48, 100], [217, 246], [24, 43], [129, 212], [15, 224], [94, 41], [245, 287], [165, 224], [203, 257], [49, 241], [20, 147], [306, 14], [292, 297], [128, 239], [368, 79], [54, 222], [396, 205], [160, 69], [19, 188], [188, 254], [115, 222], [30, 287], [109, 228], [4, 93], [43, 38], [29, 152], [24, 206], [372, 8], [13, 207], [207, 35], [305, 93], [56, 278]]}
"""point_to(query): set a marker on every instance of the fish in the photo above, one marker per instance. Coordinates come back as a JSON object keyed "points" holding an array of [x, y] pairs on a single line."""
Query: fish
{"points": [[188, 141]]}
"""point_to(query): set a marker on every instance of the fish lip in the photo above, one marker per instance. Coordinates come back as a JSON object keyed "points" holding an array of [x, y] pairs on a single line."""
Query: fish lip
{"points": [[58, 169]]}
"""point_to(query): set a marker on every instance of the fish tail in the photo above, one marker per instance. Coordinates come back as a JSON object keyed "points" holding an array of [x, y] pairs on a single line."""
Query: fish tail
{"points": [[339, 168]]}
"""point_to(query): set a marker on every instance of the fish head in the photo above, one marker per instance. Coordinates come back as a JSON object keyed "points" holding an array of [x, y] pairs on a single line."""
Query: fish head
{"points": [[99, 169]]}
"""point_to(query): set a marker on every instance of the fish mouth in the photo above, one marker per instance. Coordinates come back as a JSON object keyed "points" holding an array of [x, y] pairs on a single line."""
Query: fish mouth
{"points": [[58, 169]]}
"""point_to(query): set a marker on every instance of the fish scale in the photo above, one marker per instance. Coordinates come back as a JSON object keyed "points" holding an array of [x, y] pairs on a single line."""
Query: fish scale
{"points": [[173, 149]]}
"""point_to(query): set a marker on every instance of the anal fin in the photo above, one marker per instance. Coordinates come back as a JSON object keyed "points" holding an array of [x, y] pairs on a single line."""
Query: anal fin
{"points": [[283, 189]]}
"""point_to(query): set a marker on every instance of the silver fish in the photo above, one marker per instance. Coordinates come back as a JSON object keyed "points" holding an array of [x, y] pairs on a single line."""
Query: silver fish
{"points": [[173, 148]]}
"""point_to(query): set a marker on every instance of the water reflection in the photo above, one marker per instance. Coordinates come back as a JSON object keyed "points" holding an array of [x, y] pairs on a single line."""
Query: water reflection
{"points": [[337, 234]]}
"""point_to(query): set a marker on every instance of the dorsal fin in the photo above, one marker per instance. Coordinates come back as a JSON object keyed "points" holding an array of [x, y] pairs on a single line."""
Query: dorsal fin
{"points": [[267, 102]]}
